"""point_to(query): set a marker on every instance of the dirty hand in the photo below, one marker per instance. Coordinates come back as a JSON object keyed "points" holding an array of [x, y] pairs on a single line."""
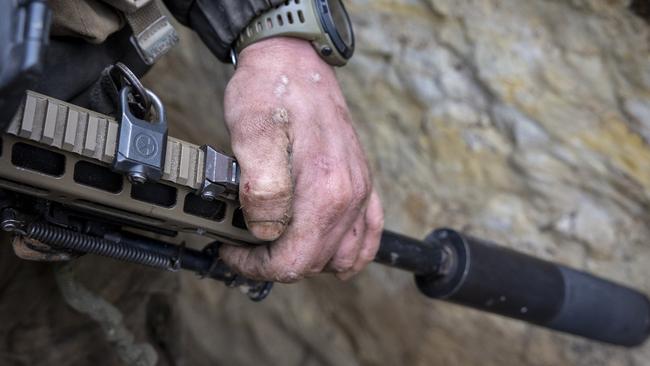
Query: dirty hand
{"points": [[305, 183]]}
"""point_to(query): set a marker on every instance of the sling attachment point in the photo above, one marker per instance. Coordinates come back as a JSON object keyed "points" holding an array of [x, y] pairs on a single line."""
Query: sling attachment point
{"points": [[221, 174], [142, 145]]}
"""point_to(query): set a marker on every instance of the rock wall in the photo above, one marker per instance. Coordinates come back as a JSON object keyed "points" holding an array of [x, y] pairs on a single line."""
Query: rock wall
{"points": [[525, 122]]}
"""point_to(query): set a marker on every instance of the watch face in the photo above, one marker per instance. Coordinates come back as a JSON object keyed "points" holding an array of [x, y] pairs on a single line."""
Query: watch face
{"points": [[337, 24], [341, 21]]}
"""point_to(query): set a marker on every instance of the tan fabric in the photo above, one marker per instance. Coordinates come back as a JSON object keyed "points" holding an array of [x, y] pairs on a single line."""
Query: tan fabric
{"points": [[91, 20], [127, 6]]}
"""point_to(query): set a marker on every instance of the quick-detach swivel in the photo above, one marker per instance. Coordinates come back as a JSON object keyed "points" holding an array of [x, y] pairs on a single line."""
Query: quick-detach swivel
{"points": [[10, 223], [141, 145]]}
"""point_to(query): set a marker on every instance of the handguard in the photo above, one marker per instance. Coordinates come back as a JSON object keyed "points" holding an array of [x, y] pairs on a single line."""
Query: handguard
{"points": [[63, 153], [60, 187]]}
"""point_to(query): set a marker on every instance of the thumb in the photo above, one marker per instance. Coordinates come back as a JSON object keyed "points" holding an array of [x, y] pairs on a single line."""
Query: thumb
{"points": [[262, 146]]}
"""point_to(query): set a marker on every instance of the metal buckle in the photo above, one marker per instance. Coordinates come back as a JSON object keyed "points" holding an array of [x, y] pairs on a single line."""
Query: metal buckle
{"points": [[234, 58], [153, 34], [155, 41]]}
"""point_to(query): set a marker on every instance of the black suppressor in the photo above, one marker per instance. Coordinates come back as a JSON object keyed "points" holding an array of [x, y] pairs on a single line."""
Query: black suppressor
{"points": [[447, 266], [482, 275]]}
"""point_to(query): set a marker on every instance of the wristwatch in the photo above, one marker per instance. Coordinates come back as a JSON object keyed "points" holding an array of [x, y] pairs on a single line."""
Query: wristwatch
{"points": [[325, 23]]}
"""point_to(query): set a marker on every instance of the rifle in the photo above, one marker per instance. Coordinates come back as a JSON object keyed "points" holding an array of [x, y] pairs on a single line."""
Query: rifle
{"points": [[78, 182]]}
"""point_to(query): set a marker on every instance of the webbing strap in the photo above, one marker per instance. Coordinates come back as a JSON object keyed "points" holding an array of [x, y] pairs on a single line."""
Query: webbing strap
{"points": [[153, 34], [74, 129], [128, 6]]}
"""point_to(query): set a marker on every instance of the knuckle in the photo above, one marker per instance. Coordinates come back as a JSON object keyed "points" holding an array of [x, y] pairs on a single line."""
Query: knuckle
{"points": [[363, 185], [375, 221], [260, 194], [365, 258], [287, 273], [341, 193], [268, 230], [316, 268], [348, 191], [343, 264], [266, 188], [368, 255], [287, 277], [360, 191]]}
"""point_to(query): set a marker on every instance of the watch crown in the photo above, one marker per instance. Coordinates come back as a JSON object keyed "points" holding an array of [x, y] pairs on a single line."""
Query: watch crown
{"points": [[326, 51]]}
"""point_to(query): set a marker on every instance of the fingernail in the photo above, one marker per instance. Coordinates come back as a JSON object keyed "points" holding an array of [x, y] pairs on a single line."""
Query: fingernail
{"points": [[268, 230]]}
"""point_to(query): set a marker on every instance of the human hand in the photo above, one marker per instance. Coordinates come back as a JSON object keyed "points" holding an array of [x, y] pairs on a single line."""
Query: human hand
{"points": [[305, 183]]}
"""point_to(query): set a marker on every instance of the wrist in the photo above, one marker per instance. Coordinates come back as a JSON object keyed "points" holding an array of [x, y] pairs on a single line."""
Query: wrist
{"points": [[324, 23], [281, 51]]}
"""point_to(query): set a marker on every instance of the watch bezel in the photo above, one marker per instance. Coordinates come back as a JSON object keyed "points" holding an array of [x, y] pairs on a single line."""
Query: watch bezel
{"points": [[325, 14]]}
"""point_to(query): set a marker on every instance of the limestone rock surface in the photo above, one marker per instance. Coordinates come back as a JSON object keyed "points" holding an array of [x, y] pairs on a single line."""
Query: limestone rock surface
{"points": [[523, 122]]}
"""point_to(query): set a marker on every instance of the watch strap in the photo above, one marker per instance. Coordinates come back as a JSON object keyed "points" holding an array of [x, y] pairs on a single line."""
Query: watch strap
{"points": [[293, 18]]}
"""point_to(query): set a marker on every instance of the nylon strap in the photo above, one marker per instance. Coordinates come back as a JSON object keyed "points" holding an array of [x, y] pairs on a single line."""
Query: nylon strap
{"points": [[54, 123], [153, 34]]}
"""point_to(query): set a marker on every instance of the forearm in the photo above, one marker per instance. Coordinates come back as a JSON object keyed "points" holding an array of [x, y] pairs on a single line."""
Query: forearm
{"points": [[218, 22]]}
